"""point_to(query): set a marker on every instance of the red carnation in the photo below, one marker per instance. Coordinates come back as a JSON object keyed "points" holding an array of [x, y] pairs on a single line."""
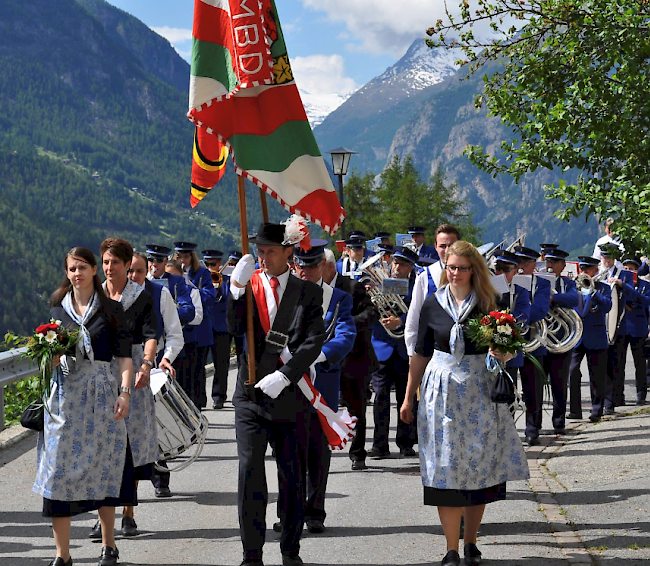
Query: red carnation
{"points": [[485, 321], [52, 326], [42, 329], [508, 318]]}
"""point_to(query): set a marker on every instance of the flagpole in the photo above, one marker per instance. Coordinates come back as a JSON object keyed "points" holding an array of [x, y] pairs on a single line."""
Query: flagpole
{"points": [[265, 208], [250, 329]]}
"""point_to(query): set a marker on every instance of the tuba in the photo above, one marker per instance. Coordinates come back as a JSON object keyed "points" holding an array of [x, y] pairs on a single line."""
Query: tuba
{"points": [[614, 317], [388, 304], [564, 329]]}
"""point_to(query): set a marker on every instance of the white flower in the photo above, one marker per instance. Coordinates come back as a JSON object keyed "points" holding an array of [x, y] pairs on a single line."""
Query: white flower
{"points": [[50, 337], [57, 322], [40, 336], [505, 329]]}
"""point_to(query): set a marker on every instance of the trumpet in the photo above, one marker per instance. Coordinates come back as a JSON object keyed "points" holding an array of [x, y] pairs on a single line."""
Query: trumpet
{"points": [[585, 281], [217, 277]]}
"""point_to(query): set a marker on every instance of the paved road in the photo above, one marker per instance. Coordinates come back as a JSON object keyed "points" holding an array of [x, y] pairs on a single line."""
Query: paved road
{"points": [[587, 503]]}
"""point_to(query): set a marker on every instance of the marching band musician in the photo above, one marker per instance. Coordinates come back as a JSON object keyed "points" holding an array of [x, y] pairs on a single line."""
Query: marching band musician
{"points": [[340, 334], [624, 280], [202, 280], [393, 368], [540, 301], [359, 235], [348, 265], [636, 323], [426, 283], [592, 307], [360, 362], [417, 235], [559, 365], [384, 237], [220, 336], [274, 408]]}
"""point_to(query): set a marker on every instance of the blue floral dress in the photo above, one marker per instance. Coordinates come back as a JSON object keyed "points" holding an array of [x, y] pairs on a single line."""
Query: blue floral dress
{"points": [[468, 445]]}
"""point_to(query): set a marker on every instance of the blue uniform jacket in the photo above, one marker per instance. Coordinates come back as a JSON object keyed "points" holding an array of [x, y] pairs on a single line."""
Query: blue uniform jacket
{"points": [[384, 344], [628, 295], [636, 311], [520, 309], [181, 295], [429, 251], [203, 282], [339, 268], [593, 310], [155, 289], [218, 312], [566, 296], [539, 305], [328, 373]]}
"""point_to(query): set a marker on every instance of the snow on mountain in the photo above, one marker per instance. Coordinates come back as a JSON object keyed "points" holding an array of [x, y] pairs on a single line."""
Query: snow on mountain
{"points": [[319, 105]]}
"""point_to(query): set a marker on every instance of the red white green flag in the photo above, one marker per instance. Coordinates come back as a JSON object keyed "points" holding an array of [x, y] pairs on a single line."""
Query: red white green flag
{"points": [[242, 91]]}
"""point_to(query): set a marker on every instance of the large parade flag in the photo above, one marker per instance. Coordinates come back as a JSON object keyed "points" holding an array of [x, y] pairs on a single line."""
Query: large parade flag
{"points": [[243, 93]]}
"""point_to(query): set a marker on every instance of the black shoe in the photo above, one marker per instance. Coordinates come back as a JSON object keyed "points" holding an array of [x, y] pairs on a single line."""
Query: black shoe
{"points": [[252, 563], [594, 418], [531, 441], [129, 528], [452, 558], [641, 402], [560, 430], [96, 531], [277, 527], [609, 412], [472, 555], [407, 453], [292, 560], [378, 454], [218, 404], [574, 416], [315, 526], [163, 492], [58, 561], [359, 465], [109, 556]]}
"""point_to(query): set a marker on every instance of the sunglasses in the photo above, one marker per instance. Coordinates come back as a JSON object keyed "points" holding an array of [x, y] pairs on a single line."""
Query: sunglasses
{"points": [[156, 260], [211, 263]]}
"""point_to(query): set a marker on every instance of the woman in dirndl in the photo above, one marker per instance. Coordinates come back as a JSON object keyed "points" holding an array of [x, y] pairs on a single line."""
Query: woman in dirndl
{"points": [[83, 458], [469, 447], [141, 425]]}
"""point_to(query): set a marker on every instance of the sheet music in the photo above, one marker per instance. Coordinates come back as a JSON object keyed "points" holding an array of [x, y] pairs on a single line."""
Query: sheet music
{"points": [[500, 283], [550, 277], [525, 281]]}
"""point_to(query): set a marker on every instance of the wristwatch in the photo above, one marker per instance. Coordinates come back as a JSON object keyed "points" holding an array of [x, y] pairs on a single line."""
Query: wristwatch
{"points": [[148, 362], [124, 389]]}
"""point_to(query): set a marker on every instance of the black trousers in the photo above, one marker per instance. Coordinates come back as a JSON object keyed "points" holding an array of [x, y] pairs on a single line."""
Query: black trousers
{"points": [[559, 366], [597, 365], [640, 378], [392, 371], [253, 435], [353, 395], [319, 457], [160, 478], [200, 377], [221, 358], [531, 384], [185, 366], [615, 385]]}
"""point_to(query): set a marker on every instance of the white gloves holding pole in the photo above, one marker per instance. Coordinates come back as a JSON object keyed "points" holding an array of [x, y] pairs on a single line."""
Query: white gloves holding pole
{"points": [[273, 384]]}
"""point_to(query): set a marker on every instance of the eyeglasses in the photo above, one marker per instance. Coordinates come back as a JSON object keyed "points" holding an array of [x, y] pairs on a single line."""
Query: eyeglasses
{"points": [[460, 268]]}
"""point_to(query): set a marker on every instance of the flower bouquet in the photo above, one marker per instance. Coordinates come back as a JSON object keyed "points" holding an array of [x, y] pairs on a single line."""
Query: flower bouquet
{"points": [[49, 340]]}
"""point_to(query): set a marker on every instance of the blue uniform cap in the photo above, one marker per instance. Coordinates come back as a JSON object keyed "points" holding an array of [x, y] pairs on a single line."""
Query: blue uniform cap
{"points": [[154, 250], [184, 246], [588, 260], [212, 254], [355, 242], [357, 234], [386, 248], [235, 254], [311, 257], [416, 230], [382, 235], [632, 259], [505, 256], [556, 253], [408, 254], [526, 253], [548, 247], [426, 261]]}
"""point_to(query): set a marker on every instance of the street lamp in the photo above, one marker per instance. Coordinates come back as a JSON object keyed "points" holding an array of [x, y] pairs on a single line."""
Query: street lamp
{"points": [[340, 161]]}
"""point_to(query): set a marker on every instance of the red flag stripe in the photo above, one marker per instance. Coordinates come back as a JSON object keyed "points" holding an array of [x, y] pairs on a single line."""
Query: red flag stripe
{"points": [[213, 25]]}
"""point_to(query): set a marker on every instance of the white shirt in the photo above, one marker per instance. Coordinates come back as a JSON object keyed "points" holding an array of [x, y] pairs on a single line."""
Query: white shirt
{"points": [[605, 240], [332, 283], [198, 305], [418, 296], [237, 292], [172, 329]]}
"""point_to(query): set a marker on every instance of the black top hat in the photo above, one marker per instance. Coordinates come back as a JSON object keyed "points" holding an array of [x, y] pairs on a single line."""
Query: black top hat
{"points": [[212, 254], [587, 260], [355, 243], [184, 246], [382, 235], [406, 253], [504, 256], [154, 250], [526, 253], [311, 257], [416, 230], [269, 234], [556, 253]]}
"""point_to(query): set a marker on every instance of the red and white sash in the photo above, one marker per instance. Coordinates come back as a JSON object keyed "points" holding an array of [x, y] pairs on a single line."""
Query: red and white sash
{"points": [[338, 427]]}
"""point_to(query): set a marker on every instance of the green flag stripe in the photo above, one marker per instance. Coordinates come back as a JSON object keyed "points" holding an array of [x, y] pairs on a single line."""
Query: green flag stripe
{"points": [[214, 62], [276, 151]]}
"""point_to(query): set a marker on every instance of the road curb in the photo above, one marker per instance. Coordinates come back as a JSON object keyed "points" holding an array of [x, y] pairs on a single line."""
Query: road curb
{"points": [[13, 435]]}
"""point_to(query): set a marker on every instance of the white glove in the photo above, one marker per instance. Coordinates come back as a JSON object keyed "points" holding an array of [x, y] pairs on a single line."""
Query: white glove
{"points": [[273, 384], [244, 270], [321, 358]]}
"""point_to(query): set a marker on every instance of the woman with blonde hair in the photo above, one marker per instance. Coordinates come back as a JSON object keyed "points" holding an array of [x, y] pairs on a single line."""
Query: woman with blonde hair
{"points": [[468, 445]]}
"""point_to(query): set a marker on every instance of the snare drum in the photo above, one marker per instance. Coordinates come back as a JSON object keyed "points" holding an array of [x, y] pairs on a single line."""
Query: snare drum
{"points": [[180, 424]]}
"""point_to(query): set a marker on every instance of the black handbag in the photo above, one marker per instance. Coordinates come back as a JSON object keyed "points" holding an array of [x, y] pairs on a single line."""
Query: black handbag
{"points": [[503, 390], [33, 416]]}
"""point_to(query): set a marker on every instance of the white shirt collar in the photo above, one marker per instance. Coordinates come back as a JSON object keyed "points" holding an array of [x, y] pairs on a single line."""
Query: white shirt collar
{"points": [[281, 278], [332, 283]]}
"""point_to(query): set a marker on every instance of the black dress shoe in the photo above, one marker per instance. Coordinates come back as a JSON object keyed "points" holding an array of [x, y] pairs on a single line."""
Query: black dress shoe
{"points": [[129, 528], [96, 531], [163, 492], [472, 555], [292, 560], [359, 465], [277, 527], [315, 526], [641, 402], [609, 412], [407, 453], [218, 404], [378, 454], [560, 430], [531, 441], [109, 556], [452, 558], [594, 418], [252, 563], [58, 561], [574, 416]]}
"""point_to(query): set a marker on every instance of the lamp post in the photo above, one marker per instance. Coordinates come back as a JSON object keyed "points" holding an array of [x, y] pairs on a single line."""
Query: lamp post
{"points": [[340, 161]]}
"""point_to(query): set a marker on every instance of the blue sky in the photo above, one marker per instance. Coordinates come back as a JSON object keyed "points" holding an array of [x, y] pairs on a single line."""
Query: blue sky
{"points": [[336, 45]]}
